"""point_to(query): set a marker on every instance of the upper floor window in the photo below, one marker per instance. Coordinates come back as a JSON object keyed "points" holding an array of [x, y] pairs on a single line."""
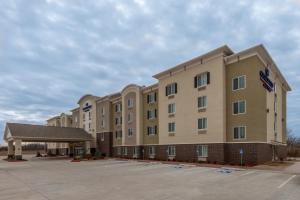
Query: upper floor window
{"points": [[151, 114], [103, 111], [130, 132], [130, 117], [151, 130], [202, 79], [118, 107], [130, 103], [171, 108], [90, 116], [118, 120], [239, 132], [171, 89], [171, 127], [239, 83], [102, 123], [83, 116], [239, 107], [202, 102], [76, 119], [118, 134], [202, 123], [151, 98]]}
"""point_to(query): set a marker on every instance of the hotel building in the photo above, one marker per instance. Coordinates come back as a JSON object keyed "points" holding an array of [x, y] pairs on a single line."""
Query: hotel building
{"points": [[220, 107]]}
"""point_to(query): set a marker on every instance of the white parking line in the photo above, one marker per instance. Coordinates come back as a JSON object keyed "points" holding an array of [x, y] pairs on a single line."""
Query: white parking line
{"points": [[251, 172], [285, 182]]}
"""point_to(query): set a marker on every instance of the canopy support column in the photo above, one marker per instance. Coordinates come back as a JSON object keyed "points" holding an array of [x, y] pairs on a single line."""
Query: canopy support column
{"points": [[87, 147], [18, 149], [10, 153]]}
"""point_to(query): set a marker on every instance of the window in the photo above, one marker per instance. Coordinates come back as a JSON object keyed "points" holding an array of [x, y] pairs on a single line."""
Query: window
{"points": [[102, 136], [83, 117], [239, 107], [151, 114], [151, 98], [171, 127], [135, 151], [202, 102], [171, 89], [171, 108], [130, 103], [117, 121], [125, 151], [130, 132], [202, 150], [76, 119], [130, 117], [103, 111], [118, 107], [239, 83], [202, 123], [119, 151], [239, 132], [84, 126], [151, 150], [90, 117], [171, 151], [102, 123], [89, 125], [151, 130], [118, 134], [202, 80]]}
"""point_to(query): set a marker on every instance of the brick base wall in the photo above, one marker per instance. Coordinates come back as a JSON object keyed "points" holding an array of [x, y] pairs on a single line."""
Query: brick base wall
{"points": [[104, 143], [219, 153]]}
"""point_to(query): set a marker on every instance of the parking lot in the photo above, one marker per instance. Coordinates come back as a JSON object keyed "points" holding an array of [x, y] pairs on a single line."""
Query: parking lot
{"points": [[121, 179]]}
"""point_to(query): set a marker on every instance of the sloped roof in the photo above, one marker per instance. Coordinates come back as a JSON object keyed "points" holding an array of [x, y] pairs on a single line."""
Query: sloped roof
{"points": [[29, 132]]}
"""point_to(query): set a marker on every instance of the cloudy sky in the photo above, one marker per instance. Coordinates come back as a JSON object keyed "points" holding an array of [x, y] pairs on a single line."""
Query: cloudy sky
{"points": [[54, 51]]}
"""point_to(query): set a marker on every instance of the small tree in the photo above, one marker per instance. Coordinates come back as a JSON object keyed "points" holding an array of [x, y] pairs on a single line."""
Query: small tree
{"points": [[293, 144]]}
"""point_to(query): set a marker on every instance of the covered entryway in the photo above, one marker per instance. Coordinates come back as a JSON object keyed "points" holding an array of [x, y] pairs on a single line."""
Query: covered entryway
{"points": [[16, 133]]}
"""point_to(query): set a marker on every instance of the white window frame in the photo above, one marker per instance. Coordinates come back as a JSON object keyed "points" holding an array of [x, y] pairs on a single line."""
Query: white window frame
{"points": [[174, 127], [103, 111], [130, 103], [203, 79], [173, 108], [118, 106], [204, 148], [239, 113], [130, 117], [102, 123], [130, 132], [239, 88], [171, 89], [151, 151], [152, 114], [151, 130], [171, 150], [203, 118], [239, 136], [203, 97], [151, 97], [125, 151]]}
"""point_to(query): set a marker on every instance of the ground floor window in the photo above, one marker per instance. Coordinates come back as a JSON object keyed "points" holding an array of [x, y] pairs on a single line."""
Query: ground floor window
{"points": [[202, 150], [135, 151], [119, 151], [151, 150], [239, 132], [125, 151], [171, 151]]}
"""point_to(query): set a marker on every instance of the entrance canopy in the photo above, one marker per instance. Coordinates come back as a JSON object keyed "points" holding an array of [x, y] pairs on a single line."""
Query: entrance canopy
{"points": [[18, 133], [39, 133]]}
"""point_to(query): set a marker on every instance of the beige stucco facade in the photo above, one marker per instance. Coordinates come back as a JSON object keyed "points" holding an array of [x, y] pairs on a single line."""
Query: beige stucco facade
{"points": [[264, 118]]}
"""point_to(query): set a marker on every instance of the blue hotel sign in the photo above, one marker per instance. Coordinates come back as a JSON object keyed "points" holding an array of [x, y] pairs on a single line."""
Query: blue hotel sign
{"points": [[87, 107], [267, 83]]}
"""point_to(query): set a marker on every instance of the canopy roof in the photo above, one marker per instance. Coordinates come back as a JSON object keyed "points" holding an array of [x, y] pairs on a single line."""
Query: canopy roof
{"points": [[40, 133]]}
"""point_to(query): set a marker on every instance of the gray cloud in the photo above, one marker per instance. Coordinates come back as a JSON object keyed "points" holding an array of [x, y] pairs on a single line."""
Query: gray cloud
{"points": [[52, 52]]}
